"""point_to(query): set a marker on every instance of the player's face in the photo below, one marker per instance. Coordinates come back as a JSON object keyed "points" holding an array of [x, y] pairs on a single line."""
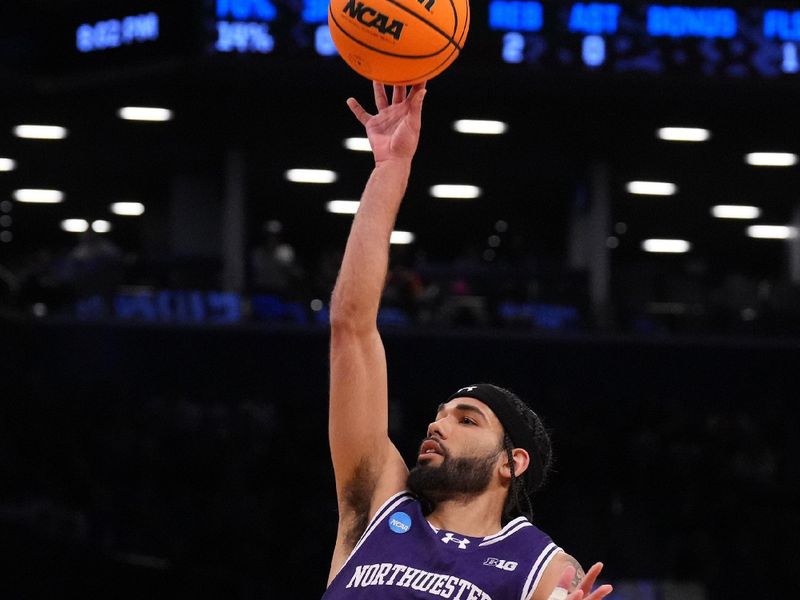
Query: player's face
{"points": [[463, 427], [461, 454]]}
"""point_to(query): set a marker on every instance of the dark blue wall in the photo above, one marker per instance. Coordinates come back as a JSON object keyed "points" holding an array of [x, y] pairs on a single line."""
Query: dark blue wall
{"points": [[192, 462]]}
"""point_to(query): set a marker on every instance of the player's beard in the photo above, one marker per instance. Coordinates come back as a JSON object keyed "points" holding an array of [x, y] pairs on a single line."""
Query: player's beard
{"points": [[454, 479]]}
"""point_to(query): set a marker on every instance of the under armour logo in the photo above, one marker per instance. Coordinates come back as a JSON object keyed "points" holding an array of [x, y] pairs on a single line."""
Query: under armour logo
{"points": [[450, 537], [469, 388]]}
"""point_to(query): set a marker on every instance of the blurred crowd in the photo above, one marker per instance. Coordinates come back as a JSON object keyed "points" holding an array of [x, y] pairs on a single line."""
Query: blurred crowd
{"points": [[477, 289]]}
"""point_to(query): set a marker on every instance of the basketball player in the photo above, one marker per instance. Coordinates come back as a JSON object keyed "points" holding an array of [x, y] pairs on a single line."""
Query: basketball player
{"points": [[456, 525]]}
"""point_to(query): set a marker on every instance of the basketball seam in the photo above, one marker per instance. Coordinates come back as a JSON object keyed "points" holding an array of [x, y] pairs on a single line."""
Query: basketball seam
{"points": [[444, 34], [461, 39], [463, 33], [386, 52]]}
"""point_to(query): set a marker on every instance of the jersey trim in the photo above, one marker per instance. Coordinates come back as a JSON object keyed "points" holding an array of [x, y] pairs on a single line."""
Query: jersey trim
{"points": [[386, 508], [508, 526], [538, 570], [501, 536]]}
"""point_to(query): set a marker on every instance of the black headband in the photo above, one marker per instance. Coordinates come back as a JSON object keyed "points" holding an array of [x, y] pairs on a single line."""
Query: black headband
{"points": [[498, 400]]}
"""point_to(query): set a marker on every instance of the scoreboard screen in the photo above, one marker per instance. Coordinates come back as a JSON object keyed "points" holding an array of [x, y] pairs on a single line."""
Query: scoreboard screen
{"points": [[648, 38], [519, 36]]}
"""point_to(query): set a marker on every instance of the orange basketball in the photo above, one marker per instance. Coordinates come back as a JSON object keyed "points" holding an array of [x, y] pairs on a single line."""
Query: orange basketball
{"points": [[399, 42]]}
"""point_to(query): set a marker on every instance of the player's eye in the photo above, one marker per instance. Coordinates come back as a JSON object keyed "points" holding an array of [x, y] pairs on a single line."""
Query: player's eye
{"points": [[468, 421]]}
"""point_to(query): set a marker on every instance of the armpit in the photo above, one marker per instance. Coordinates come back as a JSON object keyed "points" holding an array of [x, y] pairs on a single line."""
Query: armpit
{"points": [[357, 500]]}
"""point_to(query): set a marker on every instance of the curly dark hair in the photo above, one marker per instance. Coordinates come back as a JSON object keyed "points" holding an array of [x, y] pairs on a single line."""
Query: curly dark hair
{"points": [[524, 486]]}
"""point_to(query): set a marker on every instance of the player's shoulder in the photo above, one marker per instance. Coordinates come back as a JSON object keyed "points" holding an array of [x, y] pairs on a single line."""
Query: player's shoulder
{"points": [[552, 572], [562, 559]]}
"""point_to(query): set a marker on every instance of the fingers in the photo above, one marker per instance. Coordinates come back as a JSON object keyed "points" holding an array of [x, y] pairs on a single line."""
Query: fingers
{"points": [[415, 100], [601, 592], [584, 592], [560, 591], [358, 110], [591, 576], [398, 94], [588, 582], [381, 101], [567, 575], [417, 95]]}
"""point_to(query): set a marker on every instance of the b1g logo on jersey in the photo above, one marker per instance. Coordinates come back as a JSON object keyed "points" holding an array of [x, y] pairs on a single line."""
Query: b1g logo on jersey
{"points": [[506, 565], [365, 14]]}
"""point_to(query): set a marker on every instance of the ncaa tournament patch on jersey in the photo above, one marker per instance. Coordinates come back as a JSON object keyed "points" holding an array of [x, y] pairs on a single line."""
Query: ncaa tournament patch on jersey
{"points": [[400, 522]]}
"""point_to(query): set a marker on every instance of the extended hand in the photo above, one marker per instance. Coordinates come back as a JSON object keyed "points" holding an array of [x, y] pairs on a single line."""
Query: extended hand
{"points": [[394, 132], [584, 591]]}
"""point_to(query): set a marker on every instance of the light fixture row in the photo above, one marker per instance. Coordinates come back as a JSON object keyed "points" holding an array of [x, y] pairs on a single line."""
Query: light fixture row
{"points": [[57, 132], [129, 113], [48, 196], [678, 246], [82, 225], [454, 191], [466, 126], [325, 176]]}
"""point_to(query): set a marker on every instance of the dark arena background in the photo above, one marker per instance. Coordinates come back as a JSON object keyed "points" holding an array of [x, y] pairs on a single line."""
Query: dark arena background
{"points": [[165, 283]]}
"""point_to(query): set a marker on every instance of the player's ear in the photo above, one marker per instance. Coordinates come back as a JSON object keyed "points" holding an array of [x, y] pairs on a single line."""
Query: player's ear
{"points": [[521, 461]]}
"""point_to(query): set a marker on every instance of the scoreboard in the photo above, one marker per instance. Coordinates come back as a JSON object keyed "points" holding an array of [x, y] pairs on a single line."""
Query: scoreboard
{"points": [[745, 41], [649, 38]]}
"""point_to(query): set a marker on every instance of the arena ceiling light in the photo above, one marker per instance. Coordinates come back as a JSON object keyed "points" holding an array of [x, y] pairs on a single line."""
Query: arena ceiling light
{"points": [[358, 144], [651, 188], [145, 113], [75, 225], [311, 176], [772, 232], [401, 237], [343, 207], [735, 211], [683, 134], [7, 164], [668, 246], [771, 159], [448, 190], [480, 126], [40, 132], [38, 196], [127, 209], [101, 226]]}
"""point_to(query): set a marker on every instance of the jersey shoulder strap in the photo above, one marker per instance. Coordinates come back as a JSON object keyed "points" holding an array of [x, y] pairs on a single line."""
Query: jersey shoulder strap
{"points": [[386, 509]]}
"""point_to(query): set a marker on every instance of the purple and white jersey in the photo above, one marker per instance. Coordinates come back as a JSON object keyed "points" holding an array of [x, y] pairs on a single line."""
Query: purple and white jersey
{"points": [[402, 556]]}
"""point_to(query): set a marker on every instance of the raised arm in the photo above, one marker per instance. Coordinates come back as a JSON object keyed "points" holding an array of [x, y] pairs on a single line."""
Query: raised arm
{"points": [[367, 466]]}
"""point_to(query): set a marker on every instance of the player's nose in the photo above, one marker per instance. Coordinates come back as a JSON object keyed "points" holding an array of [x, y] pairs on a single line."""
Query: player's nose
{"points": [[438, 428]]}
